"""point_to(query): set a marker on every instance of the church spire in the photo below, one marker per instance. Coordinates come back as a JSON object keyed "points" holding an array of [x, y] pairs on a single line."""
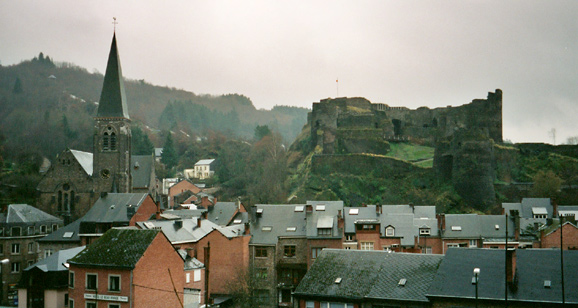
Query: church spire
{"points": [[112, 102]]}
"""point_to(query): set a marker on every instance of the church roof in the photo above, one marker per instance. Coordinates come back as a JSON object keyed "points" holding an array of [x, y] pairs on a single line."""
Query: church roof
{"points": [[142, 167], [84, 159], [112, 102]]}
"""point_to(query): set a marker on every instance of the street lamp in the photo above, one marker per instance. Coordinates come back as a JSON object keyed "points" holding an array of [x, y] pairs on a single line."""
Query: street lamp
{"points": [[2, 278], [475, 281]]}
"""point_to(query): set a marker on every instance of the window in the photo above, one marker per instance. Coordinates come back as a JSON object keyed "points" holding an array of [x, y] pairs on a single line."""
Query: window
{"points": [[426, 250], [473, 243], [315, 252], [320, 207], [66, 300], [114, 283], [1, 249], [15, 248], [113, 305], [42, 229], [70, 303], [261, 273], [452, 245], [112, 142], [71, 280], [29, 263], [366, 245], [197, 275], [91, 281], [16, 231], [456, 228], [90, 305], [285, 295], [353, 211], [187, 277], [310, 304], [390, 231], [48, 253], [323, 231], [31, 230], [260, 252], [54, 228], [424, 231], [31, 247], [349, 238], [15, 267], [289, 251]]}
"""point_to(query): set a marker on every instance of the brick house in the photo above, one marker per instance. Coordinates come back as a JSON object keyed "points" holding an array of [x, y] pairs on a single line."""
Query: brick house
{"points": [[20, 227], [110, 210], [550, 236], [127, 268], [179, 188], [286, 239]]}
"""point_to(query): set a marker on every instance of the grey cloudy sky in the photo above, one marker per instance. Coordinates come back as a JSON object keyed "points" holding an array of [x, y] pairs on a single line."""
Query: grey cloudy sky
{"points": [[402, 53]]}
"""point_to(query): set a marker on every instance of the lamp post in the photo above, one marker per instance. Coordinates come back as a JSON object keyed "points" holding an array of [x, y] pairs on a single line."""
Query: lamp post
{"points": [[476, 279], [2, 278]]}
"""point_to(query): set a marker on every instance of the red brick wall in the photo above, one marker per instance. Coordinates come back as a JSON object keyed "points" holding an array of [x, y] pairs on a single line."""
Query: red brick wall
{"points": [[144, 212], [570, 234], [153, 286], [181, 187], [321, 243], [77, 293]]}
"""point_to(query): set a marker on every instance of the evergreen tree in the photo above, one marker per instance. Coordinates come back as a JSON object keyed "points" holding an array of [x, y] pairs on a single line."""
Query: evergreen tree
{"points": [[141, 144], [17, 86], [169, 156], [261, 131]]}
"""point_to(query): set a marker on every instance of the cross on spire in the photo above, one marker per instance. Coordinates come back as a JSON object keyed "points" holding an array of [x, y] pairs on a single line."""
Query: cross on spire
{"points": [[114, 22]]}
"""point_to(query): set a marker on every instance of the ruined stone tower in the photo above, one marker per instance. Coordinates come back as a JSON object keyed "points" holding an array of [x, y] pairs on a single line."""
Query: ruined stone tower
{"points": [[112, 135]]}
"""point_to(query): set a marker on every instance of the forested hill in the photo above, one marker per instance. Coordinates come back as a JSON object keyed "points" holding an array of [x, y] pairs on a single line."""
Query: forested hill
{"points": [[47, 106]]}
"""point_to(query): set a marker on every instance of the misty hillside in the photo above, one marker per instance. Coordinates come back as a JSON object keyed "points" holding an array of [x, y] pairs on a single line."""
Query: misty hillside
{"points": [[47, 106]]}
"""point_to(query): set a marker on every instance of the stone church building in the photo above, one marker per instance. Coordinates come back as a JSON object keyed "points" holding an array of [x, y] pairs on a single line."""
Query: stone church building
{"points": [[77, 179]]}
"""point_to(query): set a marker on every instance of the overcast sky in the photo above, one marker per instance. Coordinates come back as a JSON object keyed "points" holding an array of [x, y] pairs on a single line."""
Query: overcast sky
{"points": [[402, 53]]}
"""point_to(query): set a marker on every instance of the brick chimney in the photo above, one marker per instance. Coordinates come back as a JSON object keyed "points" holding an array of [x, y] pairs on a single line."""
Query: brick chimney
{"points": [[378, 209], [510, 264], [247, 228], [554, 207], [441, 221]]}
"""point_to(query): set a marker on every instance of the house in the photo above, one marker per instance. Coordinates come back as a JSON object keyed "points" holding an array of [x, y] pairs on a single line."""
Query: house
{"points": [[76, 179], [533, 278], [530, 215], [45, 283], [357, 278], [229, 256], [285, 241], [204, 169], [180, 187], [550, 235], [110, 210], [127, 268], [473, 230], [398, 228], [194, 281], [20, 227]]}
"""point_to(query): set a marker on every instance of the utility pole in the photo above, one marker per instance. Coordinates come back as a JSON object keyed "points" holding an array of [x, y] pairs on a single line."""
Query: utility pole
{"points": [[207, 262]]}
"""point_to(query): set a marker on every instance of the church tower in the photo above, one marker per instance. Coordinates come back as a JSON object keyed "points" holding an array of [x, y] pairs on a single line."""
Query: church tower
{"points": [[112, 135]]}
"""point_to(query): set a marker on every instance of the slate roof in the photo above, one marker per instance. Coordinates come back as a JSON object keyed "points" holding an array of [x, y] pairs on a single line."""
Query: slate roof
{"points": [[204, 162], [525, 207], [406, 220], [113, 207], [474, 226], [117, 248], [187, 230], [55, 262], [84, 159], [279, 217], [568, 210], [112, 101], [142, 167], [24, 213], [326, 218], [369, 275], [222, 212], [533, 267], [68, 233]]}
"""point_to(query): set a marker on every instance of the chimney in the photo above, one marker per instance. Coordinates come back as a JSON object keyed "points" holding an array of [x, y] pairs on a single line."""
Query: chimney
{"points": [[178, 224], [338, 214], [378, 209], [191, 253], [158, 213], [309, 208], [412, 207], [441, 221], [103, 194], [554, 207], [199, 222], [510, 264], [247, 228]]}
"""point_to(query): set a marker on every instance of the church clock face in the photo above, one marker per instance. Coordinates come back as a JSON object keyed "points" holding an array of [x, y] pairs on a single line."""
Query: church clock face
{"points": [[105, 173]]}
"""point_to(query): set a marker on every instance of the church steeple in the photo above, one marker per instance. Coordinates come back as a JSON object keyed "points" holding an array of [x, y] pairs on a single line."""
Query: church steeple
{"points": [[112, 102]]}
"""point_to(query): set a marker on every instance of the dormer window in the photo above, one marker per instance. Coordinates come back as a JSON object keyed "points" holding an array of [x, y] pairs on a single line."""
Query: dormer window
{"points": [[320, 207], [390, 231], [424, 231]]}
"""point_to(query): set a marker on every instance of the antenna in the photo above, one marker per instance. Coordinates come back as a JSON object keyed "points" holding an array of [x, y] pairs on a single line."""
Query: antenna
{"points": [[114, 22]]}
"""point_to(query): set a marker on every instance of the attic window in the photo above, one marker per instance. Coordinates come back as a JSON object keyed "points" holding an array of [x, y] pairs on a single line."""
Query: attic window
{"points": [[267, 229], [149, 224], [390, 231], [237, 221], [320, 207], [497, 227], [259, 211], [68, 234], [402, 282], [291, 229], [338, 280], [299, 208], [424, 231], [456, 228], [353, 211], [547, 284]]}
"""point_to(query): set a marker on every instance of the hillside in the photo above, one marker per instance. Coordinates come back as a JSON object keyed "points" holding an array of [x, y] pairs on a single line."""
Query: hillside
{"points": [[47, 106]]}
